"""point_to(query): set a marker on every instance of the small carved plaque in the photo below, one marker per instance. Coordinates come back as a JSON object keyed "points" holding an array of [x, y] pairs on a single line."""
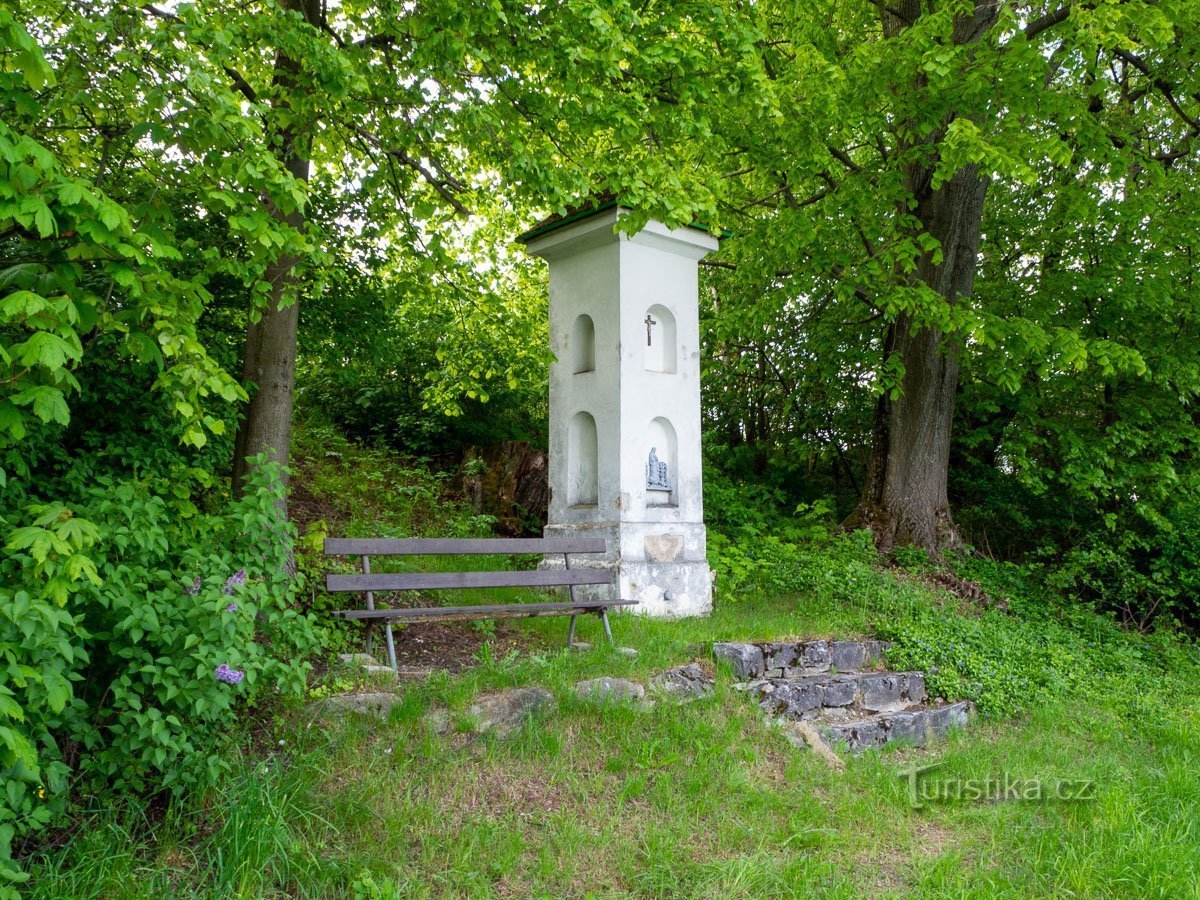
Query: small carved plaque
{"points": [[664, 548]]}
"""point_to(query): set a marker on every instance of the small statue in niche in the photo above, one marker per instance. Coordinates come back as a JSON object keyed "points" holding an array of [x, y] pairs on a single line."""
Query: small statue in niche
{"points": [[657, 478]]}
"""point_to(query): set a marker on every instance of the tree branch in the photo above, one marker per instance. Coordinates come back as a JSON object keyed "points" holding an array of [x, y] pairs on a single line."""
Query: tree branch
{"points": [[1049, 20], [240, 84], [443, 187]]}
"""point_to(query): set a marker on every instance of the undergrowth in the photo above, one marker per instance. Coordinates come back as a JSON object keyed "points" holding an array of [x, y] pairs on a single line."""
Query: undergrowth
{"points": [[698, 800]]}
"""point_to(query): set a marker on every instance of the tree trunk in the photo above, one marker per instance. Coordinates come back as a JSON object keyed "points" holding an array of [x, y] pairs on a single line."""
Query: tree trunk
{"points": [[269, 365], [905, 500], [269, 368]]}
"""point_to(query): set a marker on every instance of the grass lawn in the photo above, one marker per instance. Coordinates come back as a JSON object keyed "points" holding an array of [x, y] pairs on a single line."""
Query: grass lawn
{"points": [[703, 799]]}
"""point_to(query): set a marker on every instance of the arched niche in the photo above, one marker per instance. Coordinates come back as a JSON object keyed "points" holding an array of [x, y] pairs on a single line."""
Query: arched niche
{"points": [[582, 459], [662, 450], [583, 345], [661, 349]]}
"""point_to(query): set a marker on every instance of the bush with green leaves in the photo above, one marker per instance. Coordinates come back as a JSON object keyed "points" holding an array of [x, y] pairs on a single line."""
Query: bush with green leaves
{"points": [[133, 628], [1031, 642]]}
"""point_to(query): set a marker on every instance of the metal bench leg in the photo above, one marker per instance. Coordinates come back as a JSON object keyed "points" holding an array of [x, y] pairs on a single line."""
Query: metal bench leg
{"points": [[370, 636], [607, 630], [391, 645], [571, 634]]}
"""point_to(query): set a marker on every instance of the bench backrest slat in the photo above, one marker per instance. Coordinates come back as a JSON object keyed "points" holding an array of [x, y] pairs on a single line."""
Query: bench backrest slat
{"points": [[456, 546], [415, 581]]}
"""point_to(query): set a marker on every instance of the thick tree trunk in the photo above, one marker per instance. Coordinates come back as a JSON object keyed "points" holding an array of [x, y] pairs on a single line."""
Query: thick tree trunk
{"points": [[905, 500], [269, 365]]}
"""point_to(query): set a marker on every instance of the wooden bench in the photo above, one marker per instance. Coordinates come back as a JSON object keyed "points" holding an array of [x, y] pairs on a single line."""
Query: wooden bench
{"points": [[368, 583]]}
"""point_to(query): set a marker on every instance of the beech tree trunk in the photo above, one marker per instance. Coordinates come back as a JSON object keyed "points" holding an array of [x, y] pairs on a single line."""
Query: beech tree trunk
{"points": [[269, 365], [905, 499]]}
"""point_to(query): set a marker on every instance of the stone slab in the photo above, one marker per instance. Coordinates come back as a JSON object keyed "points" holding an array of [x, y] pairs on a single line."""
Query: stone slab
{"points": [[746, 660], [499, 712], [793, 659], [918, 726], [610, 690], [687, 682]]}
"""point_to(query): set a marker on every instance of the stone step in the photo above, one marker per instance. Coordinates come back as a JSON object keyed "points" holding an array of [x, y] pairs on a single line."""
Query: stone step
{"points": [[809, 696], [774, 659], [919, 726]]}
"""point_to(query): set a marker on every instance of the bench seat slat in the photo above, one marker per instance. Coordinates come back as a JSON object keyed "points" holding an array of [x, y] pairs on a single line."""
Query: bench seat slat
{"points": [[416, 581], [459, 546], [507, 610]]}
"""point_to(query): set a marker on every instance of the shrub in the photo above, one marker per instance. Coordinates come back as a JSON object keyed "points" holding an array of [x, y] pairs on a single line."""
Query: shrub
{"points": [[116, 618]]}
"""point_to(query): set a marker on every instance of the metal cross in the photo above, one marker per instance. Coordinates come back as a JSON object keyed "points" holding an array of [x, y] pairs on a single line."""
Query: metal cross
{"points": [[649, 322]]}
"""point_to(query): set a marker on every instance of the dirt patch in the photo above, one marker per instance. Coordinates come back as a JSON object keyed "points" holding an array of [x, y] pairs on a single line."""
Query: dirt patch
{"points": [[933, 839], [455, 646]]}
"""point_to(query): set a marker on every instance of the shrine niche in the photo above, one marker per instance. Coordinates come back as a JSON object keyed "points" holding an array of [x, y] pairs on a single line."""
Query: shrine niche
{"points": [[582, 462], [661, 464], [583, 345], [661, 351]]}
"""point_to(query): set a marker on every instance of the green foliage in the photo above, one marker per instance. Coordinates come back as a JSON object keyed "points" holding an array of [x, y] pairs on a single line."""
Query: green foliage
{"points": [[158, 717], [105, 648], [81, 263], [1039, 650], [437, 366], [1035, 642]]}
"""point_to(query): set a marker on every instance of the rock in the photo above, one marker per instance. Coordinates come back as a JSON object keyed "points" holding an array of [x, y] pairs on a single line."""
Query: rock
{"points": [[914, 687], [792, 698], [847, 656], [378, 704], [379, 670], [687, 681], [746, 660], [580, 646], [759, 686], [358, 659], [850, 656], [815, 656], [857, 735], [881, 693], [438, 720], [780, 656], [626, 651], [610, 689], [838, 692], [908, 726], [501, 712], [917, 726]]}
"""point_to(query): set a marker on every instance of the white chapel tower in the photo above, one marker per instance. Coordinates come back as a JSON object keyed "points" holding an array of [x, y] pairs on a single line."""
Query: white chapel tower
{"points": [[625, 402]]}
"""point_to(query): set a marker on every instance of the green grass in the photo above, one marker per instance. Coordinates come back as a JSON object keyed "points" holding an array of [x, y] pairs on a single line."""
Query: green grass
{"points": [[695, 800]]}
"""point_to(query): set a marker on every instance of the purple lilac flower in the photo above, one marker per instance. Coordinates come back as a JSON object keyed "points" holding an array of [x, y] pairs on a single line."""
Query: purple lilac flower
{"points": [[228, 675], [232, 607], [237, 579], [195, 588]]}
